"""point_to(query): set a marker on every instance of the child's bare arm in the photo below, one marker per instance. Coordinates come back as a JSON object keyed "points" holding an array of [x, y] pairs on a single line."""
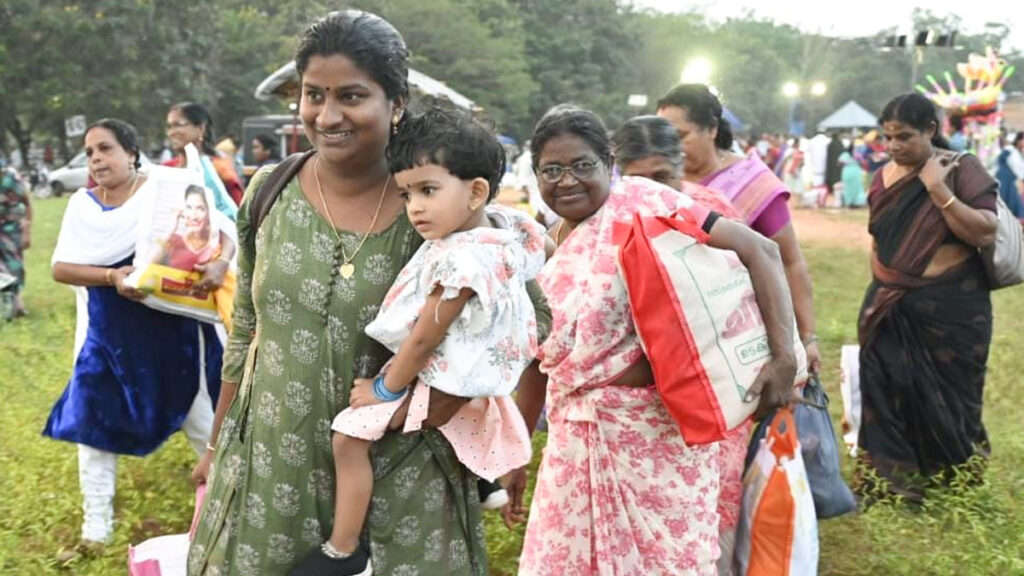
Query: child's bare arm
{"points": [[431, 326], [435, 318]]}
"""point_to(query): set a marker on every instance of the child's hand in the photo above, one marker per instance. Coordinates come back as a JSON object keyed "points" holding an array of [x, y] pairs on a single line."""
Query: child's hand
{"points": [[362, 393]]}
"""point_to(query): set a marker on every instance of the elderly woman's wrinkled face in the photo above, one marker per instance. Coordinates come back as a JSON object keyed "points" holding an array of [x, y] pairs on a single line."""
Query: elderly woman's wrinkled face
{"points": [[657, 168], [573, 179], [907, 145]]}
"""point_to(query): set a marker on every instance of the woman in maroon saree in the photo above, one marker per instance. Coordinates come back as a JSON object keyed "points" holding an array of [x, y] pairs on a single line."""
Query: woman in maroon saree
{"points": [[926, 321]]}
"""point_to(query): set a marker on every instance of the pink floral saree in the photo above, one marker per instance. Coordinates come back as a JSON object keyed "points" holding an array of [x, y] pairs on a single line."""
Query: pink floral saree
{"points": [[618, 492]]}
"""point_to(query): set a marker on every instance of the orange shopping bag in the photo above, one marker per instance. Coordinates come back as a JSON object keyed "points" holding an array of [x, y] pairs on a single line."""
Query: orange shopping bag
{"points": [[778, 530]]}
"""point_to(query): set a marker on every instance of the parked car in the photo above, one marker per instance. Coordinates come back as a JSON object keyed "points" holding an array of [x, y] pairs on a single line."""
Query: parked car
{"points": [[75, 174]]}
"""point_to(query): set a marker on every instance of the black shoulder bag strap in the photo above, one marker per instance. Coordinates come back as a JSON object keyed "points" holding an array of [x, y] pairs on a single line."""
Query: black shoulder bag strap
{"points": [[268, 192]]}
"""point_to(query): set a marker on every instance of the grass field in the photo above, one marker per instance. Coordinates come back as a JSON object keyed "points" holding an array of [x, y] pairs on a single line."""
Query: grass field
{"points": [[963, 531]]}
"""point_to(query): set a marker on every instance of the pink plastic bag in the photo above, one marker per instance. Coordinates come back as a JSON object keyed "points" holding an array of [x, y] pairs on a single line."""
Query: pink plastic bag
{"points": [[165, 555]]}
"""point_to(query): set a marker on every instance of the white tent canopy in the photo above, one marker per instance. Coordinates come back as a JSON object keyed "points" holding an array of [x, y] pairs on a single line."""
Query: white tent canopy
{"points": [[284, 82], [849, 115]]}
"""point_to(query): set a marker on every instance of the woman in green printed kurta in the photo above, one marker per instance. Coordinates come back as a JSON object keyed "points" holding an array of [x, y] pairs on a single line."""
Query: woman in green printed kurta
{"points": [[298, 342]]}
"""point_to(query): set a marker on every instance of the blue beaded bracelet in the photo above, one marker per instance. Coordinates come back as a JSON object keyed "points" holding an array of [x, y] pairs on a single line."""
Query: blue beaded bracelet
{"points": [[381, 391]]}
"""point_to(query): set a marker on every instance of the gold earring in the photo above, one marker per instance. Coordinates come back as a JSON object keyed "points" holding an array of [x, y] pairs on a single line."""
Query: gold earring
{"points": [[394, 124]]}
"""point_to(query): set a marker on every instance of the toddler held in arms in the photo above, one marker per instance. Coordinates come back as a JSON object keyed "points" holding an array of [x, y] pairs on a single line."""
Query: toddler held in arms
{"points": [[458, 318]]}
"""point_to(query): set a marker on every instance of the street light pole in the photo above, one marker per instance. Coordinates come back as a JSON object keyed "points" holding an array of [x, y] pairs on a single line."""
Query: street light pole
{"points": [[918, 58], [791, 90]]}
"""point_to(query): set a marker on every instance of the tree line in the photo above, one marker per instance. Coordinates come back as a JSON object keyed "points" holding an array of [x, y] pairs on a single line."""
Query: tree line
{"points": [[515, 58]]}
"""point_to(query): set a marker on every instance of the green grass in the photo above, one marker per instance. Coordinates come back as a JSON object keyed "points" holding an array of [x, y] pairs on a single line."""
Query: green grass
{"points": [[962, 531]]}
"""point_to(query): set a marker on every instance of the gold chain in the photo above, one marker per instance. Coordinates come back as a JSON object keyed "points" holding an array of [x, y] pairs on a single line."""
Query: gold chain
{"points": [[131, 191], [346, 259]]}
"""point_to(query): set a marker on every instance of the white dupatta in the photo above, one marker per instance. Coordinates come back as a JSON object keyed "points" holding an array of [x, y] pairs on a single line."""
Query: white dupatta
{"points": [[93, 236]]}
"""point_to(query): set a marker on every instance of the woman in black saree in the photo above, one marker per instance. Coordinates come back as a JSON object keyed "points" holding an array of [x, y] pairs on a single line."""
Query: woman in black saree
{"points": [[926, 321]]}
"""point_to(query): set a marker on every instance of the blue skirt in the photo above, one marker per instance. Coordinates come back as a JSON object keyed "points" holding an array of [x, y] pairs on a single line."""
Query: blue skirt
{"points": [[135, 378]]}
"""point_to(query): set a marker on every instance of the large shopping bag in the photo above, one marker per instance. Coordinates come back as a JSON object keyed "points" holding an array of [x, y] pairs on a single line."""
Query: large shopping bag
{"points": [[165, 555], [698, 322], [777, 533], [820, 451], [849, 387], [178, 230]]}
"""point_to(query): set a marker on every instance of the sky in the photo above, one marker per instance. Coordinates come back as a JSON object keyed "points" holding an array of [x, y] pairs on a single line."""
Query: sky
{"points": [[859, 18]]}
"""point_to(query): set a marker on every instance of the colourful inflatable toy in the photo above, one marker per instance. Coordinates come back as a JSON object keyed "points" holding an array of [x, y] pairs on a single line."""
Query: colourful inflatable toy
{"points": [[978, 103], [983, 80]]}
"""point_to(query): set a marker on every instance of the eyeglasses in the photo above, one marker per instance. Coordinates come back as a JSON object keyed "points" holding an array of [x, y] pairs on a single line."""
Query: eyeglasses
{"points": [[178, 124], [553, 173]]}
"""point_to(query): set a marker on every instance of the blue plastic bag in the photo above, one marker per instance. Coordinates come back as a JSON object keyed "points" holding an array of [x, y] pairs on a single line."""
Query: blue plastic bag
{"points": [[820, 451]]}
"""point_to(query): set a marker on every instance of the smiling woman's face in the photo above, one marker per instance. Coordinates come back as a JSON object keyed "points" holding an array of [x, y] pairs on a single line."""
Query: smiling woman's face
{"points": [[345, 113], [572, 198], [197, 215]]}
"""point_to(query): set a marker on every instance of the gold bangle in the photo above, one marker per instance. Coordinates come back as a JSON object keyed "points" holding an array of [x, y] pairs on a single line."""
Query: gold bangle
{"points": [[110, 276], [948, 203]]}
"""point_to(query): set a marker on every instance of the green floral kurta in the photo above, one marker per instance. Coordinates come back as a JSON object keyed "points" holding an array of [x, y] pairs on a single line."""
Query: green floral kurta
{"points": [[271, 492]]}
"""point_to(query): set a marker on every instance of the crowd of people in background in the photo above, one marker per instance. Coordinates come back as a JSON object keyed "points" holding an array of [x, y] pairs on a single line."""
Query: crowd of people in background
{"points": [[316, 267]]}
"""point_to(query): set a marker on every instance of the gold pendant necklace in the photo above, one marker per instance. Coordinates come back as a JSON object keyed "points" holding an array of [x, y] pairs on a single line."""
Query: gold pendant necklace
{"points": [[347, 268]]}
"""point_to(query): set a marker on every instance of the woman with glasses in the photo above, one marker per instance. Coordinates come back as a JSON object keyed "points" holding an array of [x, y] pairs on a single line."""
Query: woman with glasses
{"points": [[191, 123], [618, 491]]}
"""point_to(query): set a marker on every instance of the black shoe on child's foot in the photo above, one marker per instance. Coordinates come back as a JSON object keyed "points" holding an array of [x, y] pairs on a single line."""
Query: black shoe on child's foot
{"points": [[492, 495], [316, 563]]}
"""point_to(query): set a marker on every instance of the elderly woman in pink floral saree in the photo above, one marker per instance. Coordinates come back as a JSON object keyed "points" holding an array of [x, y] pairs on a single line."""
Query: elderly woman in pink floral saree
{"points": [[618, 491]]}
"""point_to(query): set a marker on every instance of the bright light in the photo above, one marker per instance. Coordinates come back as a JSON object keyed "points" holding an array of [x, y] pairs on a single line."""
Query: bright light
{"points": [[697, 71], [637, 100], [790, 89], [293, 106], [714, 91], [818, 89]]}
